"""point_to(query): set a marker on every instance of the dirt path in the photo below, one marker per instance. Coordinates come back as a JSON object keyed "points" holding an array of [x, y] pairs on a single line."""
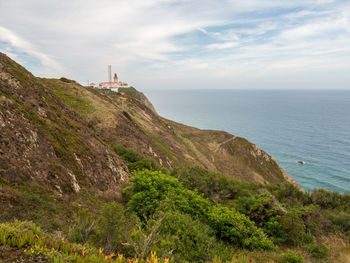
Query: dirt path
{"points": [[224, 142], [217, 147]]}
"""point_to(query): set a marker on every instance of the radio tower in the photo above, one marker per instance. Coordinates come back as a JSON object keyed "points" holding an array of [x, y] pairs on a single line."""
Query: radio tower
{"points": [[110, 74]]}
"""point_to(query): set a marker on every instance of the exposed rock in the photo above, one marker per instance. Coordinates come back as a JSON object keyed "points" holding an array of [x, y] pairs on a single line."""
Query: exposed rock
{"points": [[74, 182]]}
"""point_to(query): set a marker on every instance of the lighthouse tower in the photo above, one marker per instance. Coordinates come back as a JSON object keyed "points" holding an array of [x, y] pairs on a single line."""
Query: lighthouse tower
{"points": [[115, 85]]}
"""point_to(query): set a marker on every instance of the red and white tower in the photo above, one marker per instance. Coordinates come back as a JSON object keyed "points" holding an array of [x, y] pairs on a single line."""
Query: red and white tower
{"points": [[115, 77]]}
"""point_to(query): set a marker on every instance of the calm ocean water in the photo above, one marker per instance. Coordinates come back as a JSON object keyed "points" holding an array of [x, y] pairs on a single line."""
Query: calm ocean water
{"points": [[312, 126]]}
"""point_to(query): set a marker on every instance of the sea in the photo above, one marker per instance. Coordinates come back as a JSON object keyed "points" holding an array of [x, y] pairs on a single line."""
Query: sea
{"points": [[312, 126]]}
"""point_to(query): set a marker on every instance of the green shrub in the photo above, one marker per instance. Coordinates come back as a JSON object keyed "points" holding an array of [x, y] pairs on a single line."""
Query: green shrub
{"points": [[293, 225], [330, 200], [237, 229], [274, 230], [289, 194], [18, 233], [66, 80], [135, 160], [214, 186], [83, 228], [187, 238], [340, 221], [259, 208], [145, 235], [120, 150], [318, 250], [149, 189], [291, 257], [144, 164], [130, 156], [111, 227], [131, 91], [3, 181]]}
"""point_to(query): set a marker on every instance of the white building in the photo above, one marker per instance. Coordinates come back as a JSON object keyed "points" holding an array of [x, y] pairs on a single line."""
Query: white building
{"points": [[115, 85], [111, 85]]}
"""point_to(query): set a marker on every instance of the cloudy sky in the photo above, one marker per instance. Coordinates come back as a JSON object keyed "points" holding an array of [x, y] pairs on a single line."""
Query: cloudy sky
{"points": [[185, 44]]}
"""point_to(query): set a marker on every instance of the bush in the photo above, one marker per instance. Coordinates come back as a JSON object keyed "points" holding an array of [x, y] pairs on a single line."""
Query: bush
{"points": [[214, 186], [188, 239], [111, 230], [274, 230], [259, 208], [135, 160], [66, 80], [145, 235], [291, 257], [149, 189], [128, 155], [340, 221], [236, 228], [293, 225], [18, 233], [318, 250], [330, 200], [289, 194], [83, 228], [131, 91], [144, 164]]}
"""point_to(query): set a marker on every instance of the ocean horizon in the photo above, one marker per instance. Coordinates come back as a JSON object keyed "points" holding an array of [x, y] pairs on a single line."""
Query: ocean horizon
{"points": [[291, 125]]}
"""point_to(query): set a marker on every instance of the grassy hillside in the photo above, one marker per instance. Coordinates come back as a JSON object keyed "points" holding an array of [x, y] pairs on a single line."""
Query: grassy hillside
{"points": [[128, 119]]}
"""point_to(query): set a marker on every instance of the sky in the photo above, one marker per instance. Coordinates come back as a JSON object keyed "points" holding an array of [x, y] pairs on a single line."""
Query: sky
{"points": [[183, 44]]}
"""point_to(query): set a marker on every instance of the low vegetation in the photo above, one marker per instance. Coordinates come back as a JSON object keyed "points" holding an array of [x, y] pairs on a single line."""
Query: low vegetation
{"points": [[131, 91], [182, 215], [135, 160]]}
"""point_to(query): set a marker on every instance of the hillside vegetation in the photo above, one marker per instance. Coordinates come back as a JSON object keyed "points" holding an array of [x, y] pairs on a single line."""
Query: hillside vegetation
{"points": [[128, 119], [91, 176]]}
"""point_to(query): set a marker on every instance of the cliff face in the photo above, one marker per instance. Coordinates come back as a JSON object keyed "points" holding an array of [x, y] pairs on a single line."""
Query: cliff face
{"points": [[60, 134]]}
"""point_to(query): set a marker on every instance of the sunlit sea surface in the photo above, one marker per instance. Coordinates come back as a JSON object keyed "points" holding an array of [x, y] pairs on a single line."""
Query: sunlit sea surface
{"points": [[309, 126]]}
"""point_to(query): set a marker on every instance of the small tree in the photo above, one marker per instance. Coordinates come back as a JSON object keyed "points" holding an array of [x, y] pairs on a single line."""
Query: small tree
{"points": [[111, 228], [83, 228], [145, 235]]}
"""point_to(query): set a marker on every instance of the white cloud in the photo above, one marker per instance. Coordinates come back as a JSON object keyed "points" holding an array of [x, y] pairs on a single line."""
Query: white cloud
{"points": [[178, 39], [24, 46], [222, 45]]}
